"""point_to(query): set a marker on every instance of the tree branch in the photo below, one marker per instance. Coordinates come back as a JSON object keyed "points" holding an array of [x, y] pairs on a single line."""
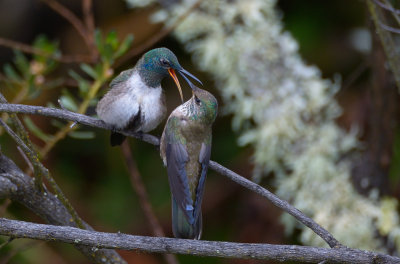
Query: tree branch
{"points": [[95, 240], [140, 189], [19, 187], [90, 121], [32, 50], [71, 18], [157, 37]]}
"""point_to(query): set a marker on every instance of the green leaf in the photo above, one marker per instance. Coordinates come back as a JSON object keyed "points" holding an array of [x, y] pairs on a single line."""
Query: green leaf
{"points": [[112, 39], [32, 88], [125, 45], [82, 83], [22, 63], [98, 39], [84, 87], [82, 134], [89, 70], [43, 43], [36, 130], [11, 73], [68, 101], [58, 124]]}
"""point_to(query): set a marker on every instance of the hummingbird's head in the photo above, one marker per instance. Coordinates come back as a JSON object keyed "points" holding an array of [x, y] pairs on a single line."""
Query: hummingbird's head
{"points": [[162, 62], [203, 105]]}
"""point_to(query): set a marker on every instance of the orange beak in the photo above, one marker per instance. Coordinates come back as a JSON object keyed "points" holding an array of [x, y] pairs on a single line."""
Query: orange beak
{"points": [[173, 75]]}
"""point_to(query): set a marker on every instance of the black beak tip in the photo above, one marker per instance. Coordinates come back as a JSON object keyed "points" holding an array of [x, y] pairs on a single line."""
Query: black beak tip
{"points": [[184, 73]]}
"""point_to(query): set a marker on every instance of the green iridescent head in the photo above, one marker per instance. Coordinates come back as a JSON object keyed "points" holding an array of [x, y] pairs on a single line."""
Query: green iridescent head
{"points": [[157, 64], [203, 106]]}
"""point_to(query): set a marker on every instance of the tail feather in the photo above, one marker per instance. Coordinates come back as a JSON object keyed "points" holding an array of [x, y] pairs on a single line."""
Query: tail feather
{"points": [[181, 226], [116, 139]]}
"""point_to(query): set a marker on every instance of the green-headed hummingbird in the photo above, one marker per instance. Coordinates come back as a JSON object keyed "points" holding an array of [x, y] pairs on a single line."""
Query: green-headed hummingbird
{"points": [[136, 100], [185, 148]]}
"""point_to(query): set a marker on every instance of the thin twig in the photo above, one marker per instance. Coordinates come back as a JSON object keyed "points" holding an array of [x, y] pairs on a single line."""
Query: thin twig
{"points": [[32, 50], [27, 161], [120, 241], [387, 40], [25, 144], [82, 119], [71, 18], [387, 7], [284, 205], [5, 243], [20, 188], [355, 74], [394, 14], [389, 28], [44, 172], [140, 189], [157, 37], [88, 18]]}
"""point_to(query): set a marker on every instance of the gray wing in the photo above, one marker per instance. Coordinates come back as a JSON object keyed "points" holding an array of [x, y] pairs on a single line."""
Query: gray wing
{"points": [[122, 77], [177, 157], [204, 159]]}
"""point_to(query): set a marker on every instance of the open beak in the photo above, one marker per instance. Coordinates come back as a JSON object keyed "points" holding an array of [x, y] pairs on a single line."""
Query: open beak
{"points": [[173, 75], [184, 72]]}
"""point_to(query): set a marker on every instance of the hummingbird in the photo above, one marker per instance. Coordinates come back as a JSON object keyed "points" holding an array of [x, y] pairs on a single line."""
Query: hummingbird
{"points": [[185, 149], [136, 100]]}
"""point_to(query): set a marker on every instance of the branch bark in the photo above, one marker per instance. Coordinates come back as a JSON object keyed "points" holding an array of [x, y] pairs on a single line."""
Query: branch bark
{"points": [[140, 189], [19, 187], [95, 240], [90, 121]]}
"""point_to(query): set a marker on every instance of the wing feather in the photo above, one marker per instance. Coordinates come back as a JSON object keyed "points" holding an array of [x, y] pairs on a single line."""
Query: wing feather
{"points": [[204, 159], [177, 157]]}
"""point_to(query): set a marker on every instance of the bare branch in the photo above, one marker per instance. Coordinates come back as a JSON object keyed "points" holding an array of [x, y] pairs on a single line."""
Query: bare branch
{"points": [[71, 18], [284, 205], [71, 116], [304, 254], [88, 18], [140, 189], [90, 121], [79, 58], [157, 37], [387, 7], [40, 170], [389, 28], [19, 187]]}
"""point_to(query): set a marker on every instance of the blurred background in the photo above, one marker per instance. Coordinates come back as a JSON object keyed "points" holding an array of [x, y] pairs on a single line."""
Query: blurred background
{"points": [[336, 36]]}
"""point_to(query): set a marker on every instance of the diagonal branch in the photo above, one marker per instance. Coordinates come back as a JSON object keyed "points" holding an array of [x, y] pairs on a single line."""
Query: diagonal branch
{"points": [[71, 18], [157, 37], [19, 187], [90, 121], [12, 44], [303, 254]]}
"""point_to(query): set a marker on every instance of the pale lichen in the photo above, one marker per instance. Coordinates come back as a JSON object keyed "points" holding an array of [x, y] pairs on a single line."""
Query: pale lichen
{"points": [[286, 111]]}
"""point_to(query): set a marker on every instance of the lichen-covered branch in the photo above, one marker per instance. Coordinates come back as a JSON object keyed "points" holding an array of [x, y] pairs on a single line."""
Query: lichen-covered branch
{"points": [[90, 121], [19, 187], [95, 240]]}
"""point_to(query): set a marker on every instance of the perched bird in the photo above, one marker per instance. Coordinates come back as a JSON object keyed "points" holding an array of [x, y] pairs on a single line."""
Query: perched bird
{"points": [[136, 100], [185, 148]]}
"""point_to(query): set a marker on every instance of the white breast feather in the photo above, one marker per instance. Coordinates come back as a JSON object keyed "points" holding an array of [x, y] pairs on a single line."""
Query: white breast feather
{"points": [[123, 107]]}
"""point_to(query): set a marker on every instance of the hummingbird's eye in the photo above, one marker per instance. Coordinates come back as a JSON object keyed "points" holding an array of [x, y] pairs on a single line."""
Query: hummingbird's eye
{"points": [[164, 62], [197, 100]]}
